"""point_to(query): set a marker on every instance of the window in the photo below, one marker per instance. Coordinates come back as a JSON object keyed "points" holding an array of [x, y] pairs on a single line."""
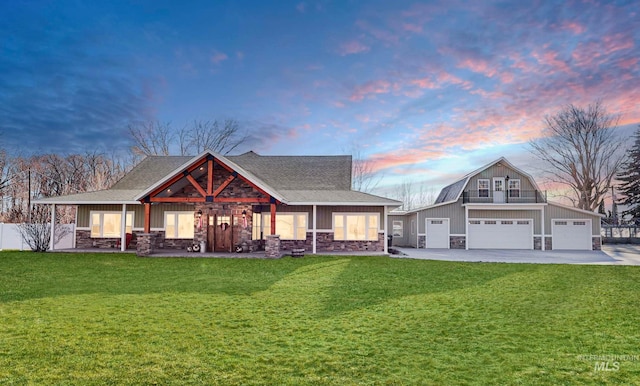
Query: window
{"points": [[474, 222], [178, 225], [579, 223], [506, 222], [290, 226], [108, 224], [483, 188], [398, 228], [413, 227], [561, 223], [256, 230], [523, 222], [490, 223], [355, 226], [436, 222], [514, 188]]}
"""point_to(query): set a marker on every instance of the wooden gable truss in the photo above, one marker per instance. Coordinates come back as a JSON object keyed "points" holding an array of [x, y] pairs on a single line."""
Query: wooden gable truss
{"points": [[197, 184]]}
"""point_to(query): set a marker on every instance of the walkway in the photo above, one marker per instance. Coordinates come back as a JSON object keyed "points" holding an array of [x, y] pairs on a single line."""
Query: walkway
{"points": [[623, 254]]}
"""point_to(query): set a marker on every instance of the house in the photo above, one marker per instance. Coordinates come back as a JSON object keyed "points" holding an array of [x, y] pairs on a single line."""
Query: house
{"points": [[496, 207], [232, 203]]}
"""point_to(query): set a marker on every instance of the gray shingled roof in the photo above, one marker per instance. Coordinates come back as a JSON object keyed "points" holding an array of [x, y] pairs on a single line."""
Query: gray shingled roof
{"points": [[451, 192], [296, 179], [298, 172]]}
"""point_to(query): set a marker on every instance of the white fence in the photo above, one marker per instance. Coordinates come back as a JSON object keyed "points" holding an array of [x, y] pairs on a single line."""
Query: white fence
{"points": [[10, 237]]}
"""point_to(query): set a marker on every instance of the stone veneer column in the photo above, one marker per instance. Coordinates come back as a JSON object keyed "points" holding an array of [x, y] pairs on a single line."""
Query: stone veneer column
{"points": [[146, 243], [272, 247]]}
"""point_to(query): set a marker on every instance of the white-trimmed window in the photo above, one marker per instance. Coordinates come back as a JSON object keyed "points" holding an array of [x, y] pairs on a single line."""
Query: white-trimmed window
{"points": [[290, 226], [108, 224], [178, 225], [514, 188], [256, 226], [398, 228], [483, 188], [356, 226]]}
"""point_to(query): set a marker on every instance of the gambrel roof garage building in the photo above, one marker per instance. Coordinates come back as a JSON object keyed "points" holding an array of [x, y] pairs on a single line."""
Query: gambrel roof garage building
{"points": [[497, 206]]}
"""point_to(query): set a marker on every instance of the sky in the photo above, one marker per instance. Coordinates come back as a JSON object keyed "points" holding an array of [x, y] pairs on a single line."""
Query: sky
{"points": [[425, 90]]}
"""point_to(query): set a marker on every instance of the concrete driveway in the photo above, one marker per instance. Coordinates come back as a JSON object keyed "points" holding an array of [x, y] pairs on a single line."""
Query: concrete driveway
{"points": [[623, 254]]}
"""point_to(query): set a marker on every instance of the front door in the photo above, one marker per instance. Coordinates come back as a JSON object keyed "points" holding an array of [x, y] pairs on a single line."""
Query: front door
{"points": [[498, 189], [223, 232]]}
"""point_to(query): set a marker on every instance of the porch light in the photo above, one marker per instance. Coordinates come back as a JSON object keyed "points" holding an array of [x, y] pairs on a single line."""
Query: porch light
{"points": [[199, 214], [244, 213]]}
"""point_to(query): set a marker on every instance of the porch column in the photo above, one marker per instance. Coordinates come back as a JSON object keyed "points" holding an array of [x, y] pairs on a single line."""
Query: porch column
{"points": [[386, 240], [147, 217], [123, 228], [53, 227], [542, 227], [315, 212], [273, 219]]}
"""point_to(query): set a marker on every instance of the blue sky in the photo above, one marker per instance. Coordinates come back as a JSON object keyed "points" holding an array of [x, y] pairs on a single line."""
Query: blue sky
{"points": [[426, 90]]}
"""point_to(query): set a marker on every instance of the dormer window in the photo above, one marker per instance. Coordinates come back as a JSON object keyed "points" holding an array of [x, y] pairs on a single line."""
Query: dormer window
{"points": [[514, 188], [483, 188]]}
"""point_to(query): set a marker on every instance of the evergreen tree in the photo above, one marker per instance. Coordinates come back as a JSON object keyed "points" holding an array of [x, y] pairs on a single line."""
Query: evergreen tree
{"points": [[630, 177]]}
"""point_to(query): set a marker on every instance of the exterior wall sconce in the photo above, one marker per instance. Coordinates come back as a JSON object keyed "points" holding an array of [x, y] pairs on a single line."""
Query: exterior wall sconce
{"points": [[506, 187], [199, 214]]}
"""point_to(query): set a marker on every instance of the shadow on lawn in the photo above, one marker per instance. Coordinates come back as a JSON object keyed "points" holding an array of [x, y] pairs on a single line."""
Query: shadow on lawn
{"points": [[27, 275], [368, 281]]}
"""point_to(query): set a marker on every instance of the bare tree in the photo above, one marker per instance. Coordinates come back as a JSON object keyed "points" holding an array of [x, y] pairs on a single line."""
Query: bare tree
{"points": [[580, 147], [151, 138], [413, 197], [364, 177], [37, 233], [220, 137], [156, 138]]}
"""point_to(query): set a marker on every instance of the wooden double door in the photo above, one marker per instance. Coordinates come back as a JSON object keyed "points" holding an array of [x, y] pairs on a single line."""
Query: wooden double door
{"points": [[220, 233]]}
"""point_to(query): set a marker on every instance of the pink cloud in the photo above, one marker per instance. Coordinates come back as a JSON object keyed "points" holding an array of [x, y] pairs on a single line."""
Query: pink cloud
{"points": [[573, 26], [412, 27], [424, 83], [352, 47], [218, 57], [478, 65], [550, 58], [370, 89], [383, 161]]}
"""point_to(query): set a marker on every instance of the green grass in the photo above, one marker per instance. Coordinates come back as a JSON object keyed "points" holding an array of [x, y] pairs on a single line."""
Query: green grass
{"points": [[117, 319]]}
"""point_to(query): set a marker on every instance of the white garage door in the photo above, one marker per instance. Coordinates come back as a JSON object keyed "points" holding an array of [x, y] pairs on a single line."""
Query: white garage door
{"points": [[437, 233], [571, 234], [500, 234]]}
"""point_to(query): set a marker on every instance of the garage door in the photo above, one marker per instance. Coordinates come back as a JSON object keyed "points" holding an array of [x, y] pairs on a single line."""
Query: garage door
{"points": [[437, 233], [571, 234], [500, 234]]}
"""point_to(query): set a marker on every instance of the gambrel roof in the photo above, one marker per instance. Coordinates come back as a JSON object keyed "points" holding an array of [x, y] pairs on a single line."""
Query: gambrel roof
{"points": [[293, 180], [452, 192]]}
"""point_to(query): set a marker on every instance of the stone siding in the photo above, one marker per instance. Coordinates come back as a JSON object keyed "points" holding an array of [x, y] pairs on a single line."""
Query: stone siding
{"points": [[307, 244], [326, 243], [537, 243], [457, 242], [596, 243], [548, 243], [85, 241], [422, 242]]}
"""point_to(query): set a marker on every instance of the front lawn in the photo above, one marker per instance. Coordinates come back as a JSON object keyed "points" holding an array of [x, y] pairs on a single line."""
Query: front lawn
{"points": [[117, 319]]}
